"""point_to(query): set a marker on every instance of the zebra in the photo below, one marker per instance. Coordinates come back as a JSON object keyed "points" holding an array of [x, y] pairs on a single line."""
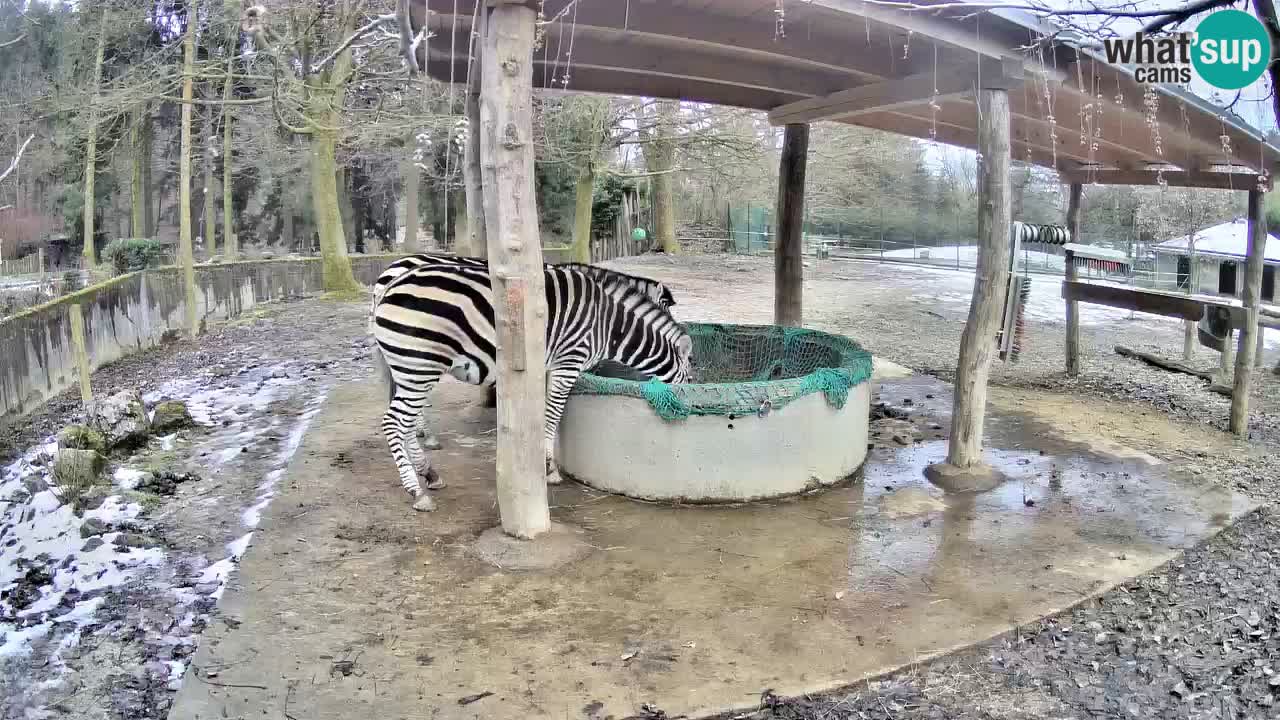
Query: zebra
{"points": [[439, 317], [657, 291]]}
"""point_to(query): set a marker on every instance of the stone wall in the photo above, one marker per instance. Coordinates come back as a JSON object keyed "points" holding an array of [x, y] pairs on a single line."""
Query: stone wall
{"points": [[133, 312]]}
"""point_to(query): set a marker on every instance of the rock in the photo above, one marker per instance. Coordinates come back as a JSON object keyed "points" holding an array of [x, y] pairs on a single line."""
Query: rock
{"points": [[267, 255], [170, 415], [78, 470], [35, 484], [121, 419], [214, 260], [135, 540], [93, 526], [131, 479], [208, 588], [80, 437], [92, 544]]}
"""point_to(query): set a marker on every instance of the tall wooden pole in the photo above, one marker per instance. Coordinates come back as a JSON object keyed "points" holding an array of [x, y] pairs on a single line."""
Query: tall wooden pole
{"points": [[474, 242], [788, 251], [977, 344], [1251, 298], [1073, 307], [186, 253], [515, 266]]}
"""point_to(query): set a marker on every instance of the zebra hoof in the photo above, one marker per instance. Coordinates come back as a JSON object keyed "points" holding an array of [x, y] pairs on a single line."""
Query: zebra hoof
{"points": [[429, 442], [424, 503], [553, 478], [433, 479]]}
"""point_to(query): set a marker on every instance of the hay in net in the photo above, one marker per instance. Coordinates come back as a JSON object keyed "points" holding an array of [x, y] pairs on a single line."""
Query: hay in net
{"points": [[743, 369]]}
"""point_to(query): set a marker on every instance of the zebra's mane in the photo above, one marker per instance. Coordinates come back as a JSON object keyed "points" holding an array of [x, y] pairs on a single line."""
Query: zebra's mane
{"points": [[629, 296], [636, 280]]}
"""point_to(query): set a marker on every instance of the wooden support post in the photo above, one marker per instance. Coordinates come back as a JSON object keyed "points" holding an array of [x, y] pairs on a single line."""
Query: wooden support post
{"points": [[81, 349], [977, 344], [515, 267], [1252, 298], [1073, 307], [474, 242], [788, 253], [1258, 360]]}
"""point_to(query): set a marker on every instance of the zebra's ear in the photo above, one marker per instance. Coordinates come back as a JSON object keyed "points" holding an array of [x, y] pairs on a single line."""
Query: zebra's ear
{"points": [[685, 346]]}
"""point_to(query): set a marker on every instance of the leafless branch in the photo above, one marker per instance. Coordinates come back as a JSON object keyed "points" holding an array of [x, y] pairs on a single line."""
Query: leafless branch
{"points": [[357, 35], [14, 41], [17, 158]]}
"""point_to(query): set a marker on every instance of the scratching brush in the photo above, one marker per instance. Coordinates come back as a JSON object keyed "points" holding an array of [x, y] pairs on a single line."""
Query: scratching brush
{"points": [[1019, 320]]}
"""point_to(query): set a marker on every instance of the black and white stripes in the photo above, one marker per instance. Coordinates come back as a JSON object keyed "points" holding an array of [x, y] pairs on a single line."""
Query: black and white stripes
{"points": [[438, 317]]}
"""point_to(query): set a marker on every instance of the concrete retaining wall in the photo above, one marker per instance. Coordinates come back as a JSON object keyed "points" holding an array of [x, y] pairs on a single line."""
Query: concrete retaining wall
{"points": [[134, 312]]}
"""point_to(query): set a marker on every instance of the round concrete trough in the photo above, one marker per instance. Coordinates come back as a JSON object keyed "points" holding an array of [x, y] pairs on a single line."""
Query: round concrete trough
{"points": [[798, 439]]}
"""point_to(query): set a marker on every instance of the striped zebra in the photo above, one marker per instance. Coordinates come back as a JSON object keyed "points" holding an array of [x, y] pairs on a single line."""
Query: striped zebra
{"points": [[439, 317], [656, 291]]}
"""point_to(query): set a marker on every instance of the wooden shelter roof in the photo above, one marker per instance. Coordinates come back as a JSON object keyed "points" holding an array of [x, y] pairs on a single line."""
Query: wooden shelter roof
{"points": [[876, 66]]}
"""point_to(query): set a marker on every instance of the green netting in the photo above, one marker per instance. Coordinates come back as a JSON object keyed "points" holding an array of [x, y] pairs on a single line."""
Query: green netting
{"points": [[743, 369]]}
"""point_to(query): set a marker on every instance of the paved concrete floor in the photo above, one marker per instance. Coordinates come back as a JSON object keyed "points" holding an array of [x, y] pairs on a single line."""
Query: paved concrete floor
{"points": [[350, 605]]}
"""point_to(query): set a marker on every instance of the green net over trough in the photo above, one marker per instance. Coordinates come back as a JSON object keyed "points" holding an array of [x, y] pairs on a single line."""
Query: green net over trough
{"points": [[748, 369]]}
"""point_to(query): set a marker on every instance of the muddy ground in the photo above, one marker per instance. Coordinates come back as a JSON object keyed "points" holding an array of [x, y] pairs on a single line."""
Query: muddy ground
{"points": [[1198, 639]]}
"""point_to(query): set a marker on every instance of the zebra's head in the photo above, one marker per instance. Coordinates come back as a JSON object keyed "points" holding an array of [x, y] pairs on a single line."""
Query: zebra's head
{"points": [[645, 337]]}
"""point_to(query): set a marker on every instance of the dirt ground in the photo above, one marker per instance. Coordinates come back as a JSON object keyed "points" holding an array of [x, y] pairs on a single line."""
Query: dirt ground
{"points": [[1195, 639]]}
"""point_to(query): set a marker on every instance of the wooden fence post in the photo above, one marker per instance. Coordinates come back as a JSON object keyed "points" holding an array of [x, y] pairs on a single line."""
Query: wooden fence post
{"points": [[515, 267], [81, 349]]}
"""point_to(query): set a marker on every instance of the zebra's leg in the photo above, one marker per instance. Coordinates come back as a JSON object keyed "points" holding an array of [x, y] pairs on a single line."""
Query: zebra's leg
{"points": [[398, 425], [560, 380], [429, 441], [422, 460]]}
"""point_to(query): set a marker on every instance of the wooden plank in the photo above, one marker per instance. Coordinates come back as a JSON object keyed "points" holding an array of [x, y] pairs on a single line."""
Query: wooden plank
{"points": [[515, 266], [788, 264], [1249, 330], [977, 344], [887, 95], [1127, 298], [81, 349], [1073, 307], [1173, 178], [1162, 363]]}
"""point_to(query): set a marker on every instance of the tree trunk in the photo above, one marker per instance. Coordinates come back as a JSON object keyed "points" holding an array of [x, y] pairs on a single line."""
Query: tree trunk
{"points": [[150, 207], [660, 154], [581, 250], [788, 264], [409, 169], [137, 194], [475, 243], [185, 250], [515, 254], [91, 147], [230, 243], [341, 180], [1073, 307], [324, 192], [209, 223], [1251, 298], [977, 344]]}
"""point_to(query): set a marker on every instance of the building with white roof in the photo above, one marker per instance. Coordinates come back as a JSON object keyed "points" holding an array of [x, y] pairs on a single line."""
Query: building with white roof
{"points": [[1219, 254]]}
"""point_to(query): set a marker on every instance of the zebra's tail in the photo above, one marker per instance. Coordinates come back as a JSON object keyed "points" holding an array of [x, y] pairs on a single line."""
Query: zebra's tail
{"points": [[384, 372]]}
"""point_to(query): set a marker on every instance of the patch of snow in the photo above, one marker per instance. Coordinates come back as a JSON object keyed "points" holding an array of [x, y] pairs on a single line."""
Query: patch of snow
{"points": [[129, 478]]}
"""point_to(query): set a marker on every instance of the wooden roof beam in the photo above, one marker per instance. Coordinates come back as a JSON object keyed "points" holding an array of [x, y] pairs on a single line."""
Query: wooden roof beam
{"points": [[1172, 178], [898, 93]]}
